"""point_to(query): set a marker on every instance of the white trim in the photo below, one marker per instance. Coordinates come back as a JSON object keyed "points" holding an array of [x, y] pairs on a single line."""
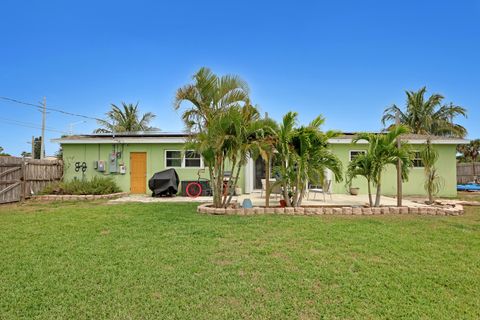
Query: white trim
{"points": [[120, 140], [249, 176], [419, 158], [182, 158], [123, 140], [165, 160], [409, 141], [350, 153]]}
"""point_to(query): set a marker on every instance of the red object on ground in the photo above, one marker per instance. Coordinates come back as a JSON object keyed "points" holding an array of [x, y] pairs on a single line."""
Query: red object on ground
{"points": [[283, 203]]}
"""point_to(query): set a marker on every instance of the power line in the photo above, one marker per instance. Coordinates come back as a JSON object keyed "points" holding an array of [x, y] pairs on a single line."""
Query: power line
{"points": [[29, 125], [21, 102], [39, 107]]}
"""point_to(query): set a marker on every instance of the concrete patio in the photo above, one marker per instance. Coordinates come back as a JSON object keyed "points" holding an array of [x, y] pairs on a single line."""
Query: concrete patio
{"points": [[335, 200]]}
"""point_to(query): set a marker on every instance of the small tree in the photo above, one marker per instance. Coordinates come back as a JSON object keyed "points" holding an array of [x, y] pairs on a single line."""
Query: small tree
{"points": [[362, 165], [383, 150], [125, 119], [3, 153], [470, 152], [304, 156], [433, 182], [215, 117]]}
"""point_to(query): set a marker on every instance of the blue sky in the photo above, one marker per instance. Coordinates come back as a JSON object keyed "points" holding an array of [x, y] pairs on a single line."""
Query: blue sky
{"points": [[346, 60]]}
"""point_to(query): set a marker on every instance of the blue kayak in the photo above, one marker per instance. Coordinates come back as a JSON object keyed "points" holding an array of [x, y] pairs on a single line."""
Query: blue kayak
{"points": [[468, 187]]}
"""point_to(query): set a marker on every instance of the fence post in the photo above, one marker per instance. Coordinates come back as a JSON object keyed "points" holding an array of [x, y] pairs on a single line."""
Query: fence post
{"points": [[23, 181]]}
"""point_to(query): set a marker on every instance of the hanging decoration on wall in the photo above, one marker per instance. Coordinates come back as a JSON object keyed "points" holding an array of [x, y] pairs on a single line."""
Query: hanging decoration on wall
{"points": [[80, 166]]}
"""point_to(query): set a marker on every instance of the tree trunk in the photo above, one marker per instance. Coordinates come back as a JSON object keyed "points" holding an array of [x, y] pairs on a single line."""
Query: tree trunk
{"points": [[235, 183], [267, 181], [370, 201], [226, 196], [286, 196], [377, 197]]}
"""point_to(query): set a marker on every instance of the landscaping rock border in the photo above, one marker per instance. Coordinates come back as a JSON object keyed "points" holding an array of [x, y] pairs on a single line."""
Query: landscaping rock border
{"points": [[432, 210], [75, 197]]}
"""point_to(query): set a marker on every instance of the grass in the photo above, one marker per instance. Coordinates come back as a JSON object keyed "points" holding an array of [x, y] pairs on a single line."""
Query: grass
{"points": [[469, 196], [150, 261]]}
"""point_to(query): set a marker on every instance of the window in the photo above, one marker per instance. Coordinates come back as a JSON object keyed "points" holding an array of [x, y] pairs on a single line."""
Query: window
{"points": [[417, 160], [355, 153], [178, 159], [173, 158], [193, 159]]}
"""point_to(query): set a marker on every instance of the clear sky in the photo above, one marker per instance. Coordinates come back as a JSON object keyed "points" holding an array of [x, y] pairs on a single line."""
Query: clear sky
{"points": [[346, 60]]}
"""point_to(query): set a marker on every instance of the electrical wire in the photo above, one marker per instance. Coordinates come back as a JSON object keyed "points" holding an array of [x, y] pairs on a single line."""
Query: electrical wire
{"points": [[29, 125], [40, 107]]}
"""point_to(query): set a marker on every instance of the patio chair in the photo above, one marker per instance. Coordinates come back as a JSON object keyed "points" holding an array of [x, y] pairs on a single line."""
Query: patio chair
{"points": [[326, 189], [276, 189], [264, 186]]}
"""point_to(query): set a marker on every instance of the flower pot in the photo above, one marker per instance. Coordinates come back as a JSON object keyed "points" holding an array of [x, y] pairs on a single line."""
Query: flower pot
{"points": [[354, 191]]}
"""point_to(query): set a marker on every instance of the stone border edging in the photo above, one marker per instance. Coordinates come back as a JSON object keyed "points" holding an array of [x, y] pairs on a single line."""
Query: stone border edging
{"points": [[439, 211], [75, 197]]}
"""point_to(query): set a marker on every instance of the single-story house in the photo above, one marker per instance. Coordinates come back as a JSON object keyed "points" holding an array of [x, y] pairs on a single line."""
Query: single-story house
{"points": [[132, 158]]}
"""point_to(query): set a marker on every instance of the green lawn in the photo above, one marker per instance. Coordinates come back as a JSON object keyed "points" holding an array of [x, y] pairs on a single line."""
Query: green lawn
{"points": [[469, 196], [137, 261]]}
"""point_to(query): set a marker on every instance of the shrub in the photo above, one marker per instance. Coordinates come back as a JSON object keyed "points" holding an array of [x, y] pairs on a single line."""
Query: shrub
{"points": [[96, 185]]}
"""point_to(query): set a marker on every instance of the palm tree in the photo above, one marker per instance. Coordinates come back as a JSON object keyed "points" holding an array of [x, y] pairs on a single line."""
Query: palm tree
{"points": [[215, 107], [362, 165], [470, 152], [125, 119], [383, 150], [263, 144], [427, 116], [433, 181], [304, 156]]}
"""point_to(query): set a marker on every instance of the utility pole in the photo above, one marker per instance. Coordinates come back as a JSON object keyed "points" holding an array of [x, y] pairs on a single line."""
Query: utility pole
{"points": [[399, 166], [44, 115]]}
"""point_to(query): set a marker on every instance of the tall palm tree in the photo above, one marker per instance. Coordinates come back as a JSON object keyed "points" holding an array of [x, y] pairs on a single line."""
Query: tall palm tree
{"points": [[215, 104], [383, 150], [125, 119], [470, 152], [427, 115]]}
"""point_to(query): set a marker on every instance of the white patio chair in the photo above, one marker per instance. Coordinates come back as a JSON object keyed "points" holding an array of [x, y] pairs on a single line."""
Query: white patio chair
{"points": [[264, 186], [326, 189]]}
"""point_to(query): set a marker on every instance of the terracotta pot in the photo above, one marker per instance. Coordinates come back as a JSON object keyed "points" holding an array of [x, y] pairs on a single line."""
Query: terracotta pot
{"points": [[354, 191]]}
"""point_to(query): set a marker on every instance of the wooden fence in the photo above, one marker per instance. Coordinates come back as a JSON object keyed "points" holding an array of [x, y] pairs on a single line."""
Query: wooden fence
{"points": [[20, 178], [465, 172]]}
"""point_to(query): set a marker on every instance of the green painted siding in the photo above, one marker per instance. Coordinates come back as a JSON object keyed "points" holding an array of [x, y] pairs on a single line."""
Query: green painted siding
{"points": [[156, 162], [446, 166], [89, 153]]}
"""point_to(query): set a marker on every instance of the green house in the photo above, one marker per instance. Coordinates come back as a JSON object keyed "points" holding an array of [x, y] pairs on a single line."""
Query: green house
{"points": [[132, 158]]}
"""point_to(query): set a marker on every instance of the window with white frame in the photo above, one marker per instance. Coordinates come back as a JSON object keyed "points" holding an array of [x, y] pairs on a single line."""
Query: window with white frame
{"points": [[356, 153], [192, 159], [417, 160], [179, 159], [173, 158]]}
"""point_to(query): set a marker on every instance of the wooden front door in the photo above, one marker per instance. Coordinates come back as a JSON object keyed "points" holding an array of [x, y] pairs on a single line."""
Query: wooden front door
{"points": [[138, 172]]}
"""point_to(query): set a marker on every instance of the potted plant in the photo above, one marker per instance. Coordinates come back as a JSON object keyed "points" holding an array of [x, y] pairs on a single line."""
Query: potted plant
{"points": [[354, 191]]}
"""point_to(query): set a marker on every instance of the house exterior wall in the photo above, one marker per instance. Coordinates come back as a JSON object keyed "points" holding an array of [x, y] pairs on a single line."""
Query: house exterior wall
{"points": [[446, 166], [89, 153]]}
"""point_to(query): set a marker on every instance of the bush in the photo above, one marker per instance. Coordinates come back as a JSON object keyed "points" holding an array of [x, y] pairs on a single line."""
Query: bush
{"points": [[96, 185]]}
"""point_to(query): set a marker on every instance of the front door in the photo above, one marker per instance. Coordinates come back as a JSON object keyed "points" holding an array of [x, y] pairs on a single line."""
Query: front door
{"points": [[259, 173], [138, 172]]}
